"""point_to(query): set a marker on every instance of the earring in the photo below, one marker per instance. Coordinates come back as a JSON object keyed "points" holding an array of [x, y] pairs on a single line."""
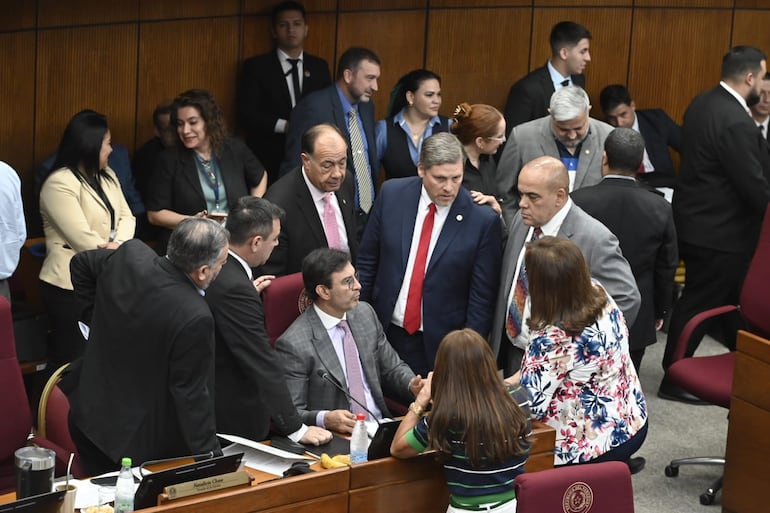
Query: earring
{"points": [[411, 104]]}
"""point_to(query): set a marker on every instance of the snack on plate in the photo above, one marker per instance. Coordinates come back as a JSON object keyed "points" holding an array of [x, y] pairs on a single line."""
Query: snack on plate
{"points": [[98, 509]]}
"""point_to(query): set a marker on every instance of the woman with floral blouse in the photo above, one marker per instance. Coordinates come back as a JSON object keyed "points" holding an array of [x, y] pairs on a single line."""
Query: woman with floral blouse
{"points": [[577, 366]]}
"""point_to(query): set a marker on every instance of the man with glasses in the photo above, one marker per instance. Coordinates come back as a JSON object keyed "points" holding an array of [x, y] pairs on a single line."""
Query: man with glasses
{"points": [[338, 343], [319, 201], [567, 134]]}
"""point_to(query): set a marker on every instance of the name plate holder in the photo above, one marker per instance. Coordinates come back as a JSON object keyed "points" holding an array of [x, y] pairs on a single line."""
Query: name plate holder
{"points": [[237, 479]]}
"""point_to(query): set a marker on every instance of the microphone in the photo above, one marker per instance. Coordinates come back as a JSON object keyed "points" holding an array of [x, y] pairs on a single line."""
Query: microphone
{"points": [[331, 379]]}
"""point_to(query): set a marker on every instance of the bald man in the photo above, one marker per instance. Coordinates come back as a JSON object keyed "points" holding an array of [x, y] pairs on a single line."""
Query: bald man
{"points": [[545, 208], [319, 200]]}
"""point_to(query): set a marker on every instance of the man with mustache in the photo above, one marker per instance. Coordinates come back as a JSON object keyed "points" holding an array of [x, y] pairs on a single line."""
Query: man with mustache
{"points": [[567, 133], [721, 197]]}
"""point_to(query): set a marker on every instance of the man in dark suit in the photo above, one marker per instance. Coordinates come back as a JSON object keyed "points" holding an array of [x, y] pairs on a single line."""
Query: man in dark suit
{"points": [[546, 209], [339, 339], [761, 111], [721, 197], [345, 104], [659, 131], [319, 202], [529, 98], [250, 389], [644, 225], [267, 85], [143, 388], [430, 257]]}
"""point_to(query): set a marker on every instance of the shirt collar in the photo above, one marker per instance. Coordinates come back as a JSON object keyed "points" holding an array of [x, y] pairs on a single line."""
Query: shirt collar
{"points": [[556, 77], [201, 292], [399, 118], [737, 96], [346, 105], [624, 177], [552, 226], [244, 264], [328, 321], [316, 193], [284, 57], [425, 201], [635, 126]]}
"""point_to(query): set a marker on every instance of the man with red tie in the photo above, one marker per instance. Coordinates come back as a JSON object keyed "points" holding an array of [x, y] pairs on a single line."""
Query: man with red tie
{"points": [[429, 260]]}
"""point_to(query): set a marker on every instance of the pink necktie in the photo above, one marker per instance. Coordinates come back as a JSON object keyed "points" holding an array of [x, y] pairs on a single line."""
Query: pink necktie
{"points": [[331, 228], [516, 309], [413, 310], [353, 368]]}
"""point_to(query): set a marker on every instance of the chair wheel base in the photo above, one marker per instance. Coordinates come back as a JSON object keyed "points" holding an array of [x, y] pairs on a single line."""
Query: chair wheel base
{"points": [[672, 471], [707, 498]]}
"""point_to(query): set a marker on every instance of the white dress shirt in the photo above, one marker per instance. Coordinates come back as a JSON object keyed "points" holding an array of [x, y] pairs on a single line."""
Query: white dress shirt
{"points": [[283, 58]]}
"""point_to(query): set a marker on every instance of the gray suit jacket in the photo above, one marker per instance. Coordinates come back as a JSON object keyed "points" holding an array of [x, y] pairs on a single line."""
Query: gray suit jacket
{"points": [[306, 347], [601, 251], [535, 139]]}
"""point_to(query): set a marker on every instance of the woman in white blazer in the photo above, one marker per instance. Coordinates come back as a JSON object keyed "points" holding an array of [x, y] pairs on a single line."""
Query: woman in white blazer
{"points": [[82, 207]]}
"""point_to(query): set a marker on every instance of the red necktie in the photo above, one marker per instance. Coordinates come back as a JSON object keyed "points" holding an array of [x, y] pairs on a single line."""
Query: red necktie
{"points": [[413, 310]]}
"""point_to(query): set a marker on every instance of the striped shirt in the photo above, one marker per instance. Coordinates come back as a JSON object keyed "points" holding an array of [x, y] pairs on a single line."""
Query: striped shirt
{"points": [[477, 485]]}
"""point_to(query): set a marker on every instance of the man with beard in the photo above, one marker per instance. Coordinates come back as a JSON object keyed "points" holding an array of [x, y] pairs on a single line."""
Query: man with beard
{"points": [[722, 195], [567, 134]]}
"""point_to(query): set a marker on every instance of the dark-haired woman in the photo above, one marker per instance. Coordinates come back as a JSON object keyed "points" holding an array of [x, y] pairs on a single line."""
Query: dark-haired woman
{"points": [[577, 365], [82, 207], [478, 424], [206, 173], [481, 130], [412, 117]]}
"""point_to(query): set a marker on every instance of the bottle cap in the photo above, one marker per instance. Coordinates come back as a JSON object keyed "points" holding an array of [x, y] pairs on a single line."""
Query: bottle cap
{"points": [[126, 462], [360, 416]]}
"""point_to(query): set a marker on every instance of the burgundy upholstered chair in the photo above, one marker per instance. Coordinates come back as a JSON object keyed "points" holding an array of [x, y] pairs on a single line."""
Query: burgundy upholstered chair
{"points": [[283, 301], [587, 488], [710, 378]]}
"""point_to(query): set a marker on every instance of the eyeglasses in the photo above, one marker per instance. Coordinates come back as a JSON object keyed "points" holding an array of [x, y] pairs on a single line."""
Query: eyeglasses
{"points": [[350, 281]]}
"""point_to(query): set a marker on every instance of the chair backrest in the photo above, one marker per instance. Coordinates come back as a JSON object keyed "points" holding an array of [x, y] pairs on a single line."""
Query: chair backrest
{"points": [[587, 488], [283, 301], [755, 295], [17, 420], [53, 411]]}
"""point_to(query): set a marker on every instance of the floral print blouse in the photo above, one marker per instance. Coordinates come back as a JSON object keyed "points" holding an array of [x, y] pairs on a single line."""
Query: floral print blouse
{"points": [[585, 386]]}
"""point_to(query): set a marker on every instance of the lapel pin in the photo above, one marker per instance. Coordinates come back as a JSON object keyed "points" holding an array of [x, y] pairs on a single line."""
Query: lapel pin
{"points": [[588, 151], [459, 217], [307, 74]]}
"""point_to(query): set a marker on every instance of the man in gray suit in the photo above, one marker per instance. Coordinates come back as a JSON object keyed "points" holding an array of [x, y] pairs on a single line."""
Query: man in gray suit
{"points": [[339, 339], [567, 134], [546, 209]]}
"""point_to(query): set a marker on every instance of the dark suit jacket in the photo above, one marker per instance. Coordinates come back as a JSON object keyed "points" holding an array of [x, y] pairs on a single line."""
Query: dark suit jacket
{"points": [[530, 97], [723, 186], [250, 387], [175, 184], [306, 348], [324, 106], [461, 278], [644, 225], [263, 98], [301, 229], [659, 132], [144, 382]]}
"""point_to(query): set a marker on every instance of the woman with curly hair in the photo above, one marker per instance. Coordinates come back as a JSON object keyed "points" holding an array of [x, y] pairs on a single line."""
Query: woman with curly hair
{"points": [[412, 117], [481, 130], [478, 424], [207, 171], [577, 366]]}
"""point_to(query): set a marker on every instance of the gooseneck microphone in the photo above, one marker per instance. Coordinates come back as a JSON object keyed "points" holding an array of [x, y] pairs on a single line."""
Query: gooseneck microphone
{"points": [[331, 379]]}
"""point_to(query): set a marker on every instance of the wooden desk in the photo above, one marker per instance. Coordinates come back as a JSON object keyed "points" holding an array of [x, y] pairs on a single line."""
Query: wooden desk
{"points": [[748, 447]]}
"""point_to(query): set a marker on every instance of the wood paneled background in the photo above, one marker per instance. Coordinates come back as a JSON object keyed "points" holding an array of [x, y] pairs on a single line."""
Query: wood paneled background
{"points": [[124, 56]]}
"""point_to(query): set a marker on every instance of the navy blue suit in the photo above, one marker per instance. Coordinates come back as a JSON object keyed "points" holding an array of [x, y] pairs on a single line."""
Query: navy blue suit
{"points": [[659, 132], [462, 275]]}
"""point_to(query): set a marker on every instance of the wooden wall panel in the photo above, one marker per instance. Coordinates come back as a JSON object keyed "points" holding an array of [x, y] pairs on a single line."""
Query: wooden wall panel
{"points": [[17, 15], [609, 48], [17, 103], [62, 13], [397, 37], [752, 3], [593, 3], [180, 55], [479, 3], [372, 5], [684, 3], [671, 82], [158, 10], [750, 28], [264, 7], [478, 65], [85, 68]]}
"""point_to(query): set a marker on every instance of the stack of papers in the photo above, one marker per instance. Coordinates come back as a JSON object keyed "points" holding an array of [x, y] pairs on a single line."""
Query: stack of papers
{"points": [[262, 457]]}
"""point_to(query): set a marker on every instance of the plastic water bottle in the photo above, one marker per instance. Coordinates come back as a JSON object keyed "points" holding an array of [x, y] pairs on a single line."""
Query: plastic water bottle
{"points": [[359, 442], [124, 489]]}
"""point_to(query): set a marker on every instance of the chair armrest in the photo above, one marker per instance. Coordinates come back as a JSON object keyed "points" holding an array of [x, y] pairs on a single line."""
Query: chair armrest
{"points": [[692, 325]]}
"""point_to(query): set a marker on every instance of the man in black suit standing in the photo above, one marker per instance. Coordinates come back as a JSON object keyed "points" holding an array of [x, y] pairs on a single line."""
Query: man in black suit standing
{"points": [[267, 89], [659, 131], [761, 111], [529, 98], [250, 389], [644, 225], [319, 201], [142, 389], [345, 104], [721, 197]]}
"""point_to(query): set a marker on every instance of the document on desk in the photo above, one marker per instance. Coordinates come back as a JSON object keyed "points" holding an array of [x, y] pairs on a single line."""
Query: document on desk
{"points": [[260, 456]]}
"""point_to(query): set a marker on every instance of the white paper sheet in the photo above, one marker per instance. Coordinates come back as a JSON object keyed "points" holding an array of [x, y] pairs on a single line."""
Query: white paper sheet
{"points": [[260, 456]]}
